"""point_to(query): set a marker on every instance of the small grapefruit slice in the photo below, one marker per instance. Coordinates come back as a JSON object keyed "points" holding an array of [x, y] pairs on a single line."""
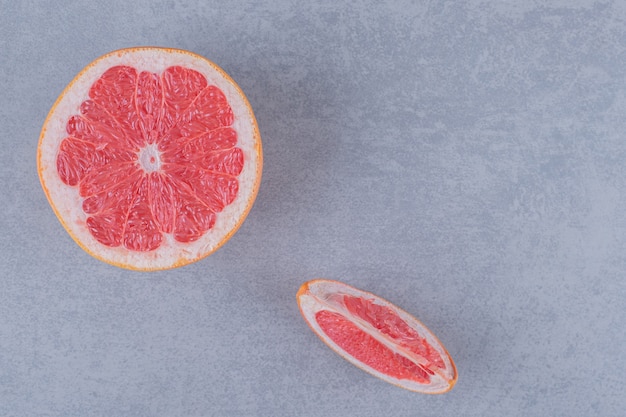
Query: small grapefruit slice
{"points": [[151, 158], [377, 336]]}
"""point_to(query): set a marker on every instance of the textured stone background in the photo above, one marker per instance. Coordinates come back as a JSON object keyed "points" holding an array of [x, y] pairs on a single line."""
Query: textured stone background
{"points": [[462, 159]]}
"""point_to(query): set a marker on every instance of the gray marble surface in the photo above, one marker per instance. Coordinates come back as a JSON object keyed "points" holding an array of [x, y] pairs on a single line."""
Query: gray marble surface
{"points": [[465, 160]]}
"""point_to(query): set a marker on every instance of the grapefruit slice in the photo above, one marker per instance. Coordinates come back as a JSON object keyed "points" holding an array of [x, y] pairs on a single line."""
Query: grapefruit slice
{"points": [[151, 158], [377, 336]]}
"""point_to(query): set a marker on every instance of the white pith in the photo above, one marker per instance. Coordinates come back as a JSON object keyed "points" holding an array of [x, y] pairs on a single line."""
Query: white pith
{"points": [[324, 294], [67, 202], [149, 158]]}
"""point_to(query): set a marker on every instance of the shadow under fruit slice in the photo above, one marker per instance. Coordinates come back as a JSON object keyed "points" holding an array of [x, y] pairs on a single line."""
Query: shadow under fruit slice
{"points": [[151, 158], [377, 336]]}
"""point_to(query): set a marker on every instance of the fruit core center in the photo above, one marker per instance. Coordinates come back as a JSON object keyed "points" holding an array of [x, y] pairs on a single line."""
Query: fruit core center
{"points": [[150, 158]]}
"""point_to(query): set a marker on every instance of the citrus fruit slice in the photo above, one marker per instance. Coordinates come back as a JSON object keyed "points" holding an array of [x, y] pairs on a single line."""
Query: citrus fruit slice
{"points": [[377, 336], [151, 158]]}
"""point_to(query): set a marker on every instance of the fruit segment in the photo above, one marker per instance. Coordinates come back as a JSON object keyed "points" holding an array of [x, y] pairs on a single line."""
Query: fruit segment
{"points": [[368, 349], [377, 336], [391, 325]]}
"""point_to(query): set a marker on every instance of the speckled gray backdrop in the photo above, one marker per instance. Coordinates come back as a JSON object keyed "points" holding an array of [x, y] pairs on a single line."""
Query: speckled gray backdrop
{"points": [[462, 159]]}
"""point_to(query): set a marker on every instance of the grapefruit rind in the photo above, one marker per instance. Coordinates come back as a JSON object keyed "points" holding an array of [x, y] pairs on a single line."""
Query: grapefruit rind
{"points": [[66, 201], [320, 294]]}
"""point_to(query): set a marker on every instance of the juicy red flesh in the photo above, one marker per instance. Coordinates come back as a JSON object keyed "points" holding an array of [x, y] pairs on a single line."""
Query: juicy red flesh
{"points": [[387, 322], [189, 124], [367, 349]]}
